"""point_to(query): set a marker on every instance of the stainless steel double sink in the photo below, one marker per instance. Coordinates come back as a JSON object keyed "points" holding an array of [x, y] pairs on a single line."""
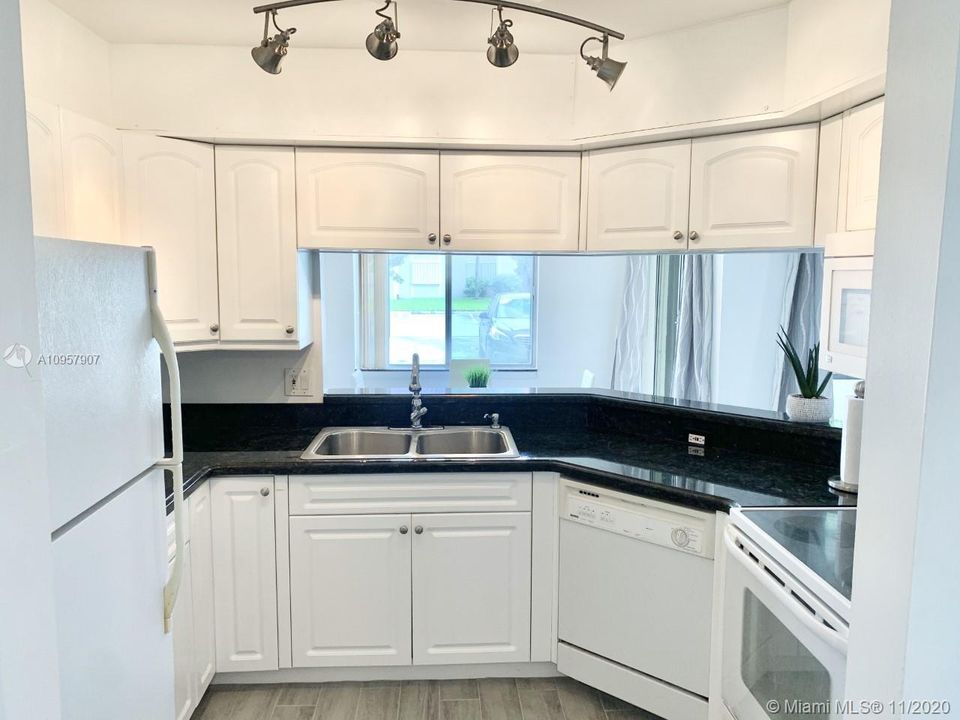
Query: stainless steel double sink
{"points": [[382, 443]]}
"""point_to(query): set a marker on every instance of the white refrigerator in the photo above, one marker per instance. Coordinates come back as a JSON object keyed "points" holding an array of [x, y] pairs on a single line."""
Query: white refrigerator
{"points": [[100, 355]]}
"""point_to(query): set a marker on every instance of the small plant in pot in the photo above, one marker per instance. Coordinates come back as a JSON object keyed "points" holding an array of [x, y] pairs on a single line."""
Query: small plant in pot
{"points": [[809, 405], [477, 377]]}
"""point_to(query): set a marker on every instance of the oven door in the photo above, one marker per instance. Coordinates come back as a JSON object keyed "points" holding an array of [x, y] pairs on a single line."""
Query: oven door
{"points": [[783, 651]]}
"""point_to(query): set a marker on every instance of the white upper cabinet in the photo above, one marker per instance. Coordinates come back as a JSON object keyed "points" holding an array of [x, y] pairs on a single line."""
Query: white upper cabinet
{"points": [[92, 179], [860, 167], [510, 202], [264, 283], [46, 169], [245, 573], [372, 200], [350, 590], [170, 205], [471, 588], [638, 198], [754, 190]]}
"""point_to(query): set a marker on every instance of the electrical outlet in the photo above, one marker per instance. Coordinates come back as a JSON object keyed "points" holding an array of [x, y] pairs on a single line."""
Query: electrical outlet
{"points": [[695, 439], [296, 382]]}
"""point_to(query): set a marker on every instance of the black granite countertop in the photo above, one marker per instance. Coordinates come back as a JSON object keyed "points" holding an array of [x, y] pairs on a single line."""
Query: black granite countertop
{"points": [[661, 469]]}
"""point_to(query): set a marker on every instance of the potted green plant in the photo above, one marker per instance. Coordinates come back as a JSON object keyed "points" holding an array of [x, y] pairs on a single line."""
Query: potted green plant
{"points": [[808, 405], [477, 377]]}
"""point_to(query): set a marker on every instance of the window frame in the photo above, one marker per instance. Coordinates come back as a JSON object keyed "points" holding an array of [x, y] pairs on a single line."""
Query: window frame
{"points": [[375, 335]]}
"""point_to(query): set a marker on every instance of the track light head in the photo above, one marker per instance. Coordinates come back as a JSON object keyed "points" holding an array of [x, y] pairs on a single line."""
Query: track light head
{"points": [[606, 68], [382, 42], [272, 50], [502, 52]]}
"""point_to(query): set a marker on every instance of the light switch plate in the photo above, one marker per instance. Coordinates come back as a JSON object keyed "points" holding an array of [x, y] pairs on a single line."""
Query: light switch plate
{"points": [[296, 382]]}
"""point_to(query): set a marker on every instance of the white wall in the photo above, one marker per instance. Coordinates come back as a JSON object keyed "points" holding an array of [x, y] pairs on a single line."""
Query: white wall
{"points": [[64, 62], [905, 626], [749, 294], [579, 300], [205, 91], [833, 46], [727, 69], [28, 664]]}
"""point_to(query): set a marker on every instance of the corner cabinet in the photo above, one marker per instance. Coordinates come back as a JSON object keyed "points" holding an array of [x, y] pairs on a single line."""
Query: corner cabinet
{"points": [[860, 167], [376, 200], [264, 282], [637, 198], [92, 179], [245, 573], [46, 169], [170, 206], [754, 190], [510, 202]]}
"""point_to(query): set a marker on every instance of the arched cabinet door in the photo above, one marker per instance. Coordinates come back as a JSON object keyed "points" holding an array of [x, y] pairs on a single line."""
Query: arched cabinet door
{"points": [[860, 166], [510, 202], [370, 200], [261, 278], [92, 179], [638, 198], [46, 169], [170, 205], [754, 190]]}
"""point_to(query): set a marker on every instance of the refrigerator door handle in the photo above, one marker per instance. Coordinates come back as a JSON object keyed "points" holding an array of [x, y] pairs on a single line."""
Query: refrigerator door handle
{"points": [[175, 462]]}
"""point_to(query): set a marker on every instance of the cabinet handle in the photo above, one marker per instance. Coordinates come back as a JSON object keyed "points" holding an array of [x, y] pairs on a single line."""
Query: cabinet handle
{"points": [[677, 235], [214, 327], [289, 329], [404, 529], [447, 239], [418, 529], [694, 236], [265, 492], [432, 238]]}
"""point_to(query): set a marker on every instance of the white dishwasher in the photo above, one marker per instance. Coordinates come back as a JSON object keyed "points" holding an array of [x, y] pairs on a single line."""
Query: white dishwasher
{"points": [[636, 599]]}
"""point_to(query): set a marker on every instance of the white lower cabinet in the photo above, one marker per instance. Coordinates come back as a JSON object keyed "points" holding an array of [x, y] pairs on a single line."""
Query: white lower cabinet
{"points": [[350, 590], [471, 588], [245, 573], [201, 579], [185, 690]]}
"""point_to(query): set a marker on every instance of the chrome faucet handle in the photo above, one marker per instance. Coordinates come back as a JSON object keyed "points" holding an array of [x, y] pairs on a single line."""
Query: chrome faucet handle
{"points": [[494, 419]]}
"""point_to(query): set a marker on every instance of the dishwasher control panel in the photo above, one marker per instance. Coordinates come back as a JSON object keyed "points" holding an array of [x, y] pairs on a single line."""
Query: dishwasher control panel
{"points": [[638, 518]]}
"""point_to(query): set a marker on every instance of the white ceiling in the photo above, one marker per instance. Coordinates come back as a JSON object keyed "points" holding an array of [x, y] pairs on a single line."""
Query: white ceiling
{"points": [[424, 24]]}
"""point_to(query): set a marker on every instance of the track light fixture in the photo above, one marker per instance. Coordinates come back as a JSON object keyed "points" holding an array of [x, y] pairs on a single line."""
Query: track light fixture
{"points": [[272, 50], [382, 42], [607, 69], [502, 51]]}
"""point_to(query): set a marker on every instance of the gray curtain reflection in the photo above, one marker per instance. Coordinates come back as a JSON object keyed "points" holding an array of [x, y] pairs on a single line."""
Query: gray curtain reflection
{"points": [[634, 331], [692, 373], [800, 317]]}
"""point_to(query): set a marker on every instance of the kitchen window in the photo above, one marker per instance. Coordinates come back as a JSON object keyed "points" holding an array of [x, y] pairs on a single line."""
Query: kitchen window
{"points": [[447, 308]]}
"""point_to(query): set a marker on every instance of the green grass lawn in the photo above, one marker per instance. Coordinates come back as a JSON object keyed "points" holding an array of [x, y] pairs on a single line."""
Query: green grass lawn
{"points": [[436, 304]]}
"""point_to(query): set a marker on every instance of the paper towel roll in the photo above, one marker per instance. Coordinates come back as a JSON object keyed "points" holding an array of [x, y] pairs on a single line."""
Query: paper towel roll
{"points": [[850, 443]]}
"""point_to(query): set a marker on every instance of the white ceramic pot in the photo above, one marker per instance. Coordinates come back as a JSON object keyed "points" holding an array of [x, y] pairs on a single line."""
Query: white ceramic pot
{"points": [[810, 410]]}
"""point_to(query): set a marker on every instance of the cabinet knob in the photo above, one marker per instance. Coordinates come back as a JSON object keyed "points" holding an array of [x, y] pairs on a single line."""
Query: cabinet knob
{"points": [[447, 239], [418, 529], [677, 235], [694, 236], [404, 529], [265, 491], [432, 238], [289, 329], [214, 328]]}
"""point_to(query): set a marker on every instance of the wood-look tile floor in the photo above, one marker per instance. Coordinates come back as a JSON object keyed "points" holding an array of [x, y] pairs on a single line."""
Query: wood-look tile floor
{"points": [[486, 699]]}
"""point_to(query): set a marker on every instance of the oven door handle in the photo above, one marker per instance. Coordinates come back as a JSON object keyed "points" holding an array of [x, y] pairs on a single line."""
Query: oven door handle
{"points": [[827, 634]]}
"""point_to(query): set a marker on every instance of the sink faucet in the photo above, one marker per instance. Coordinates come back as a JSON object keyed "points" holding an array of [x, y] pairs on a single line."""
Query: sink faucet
{"points": [[417, 410]]}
